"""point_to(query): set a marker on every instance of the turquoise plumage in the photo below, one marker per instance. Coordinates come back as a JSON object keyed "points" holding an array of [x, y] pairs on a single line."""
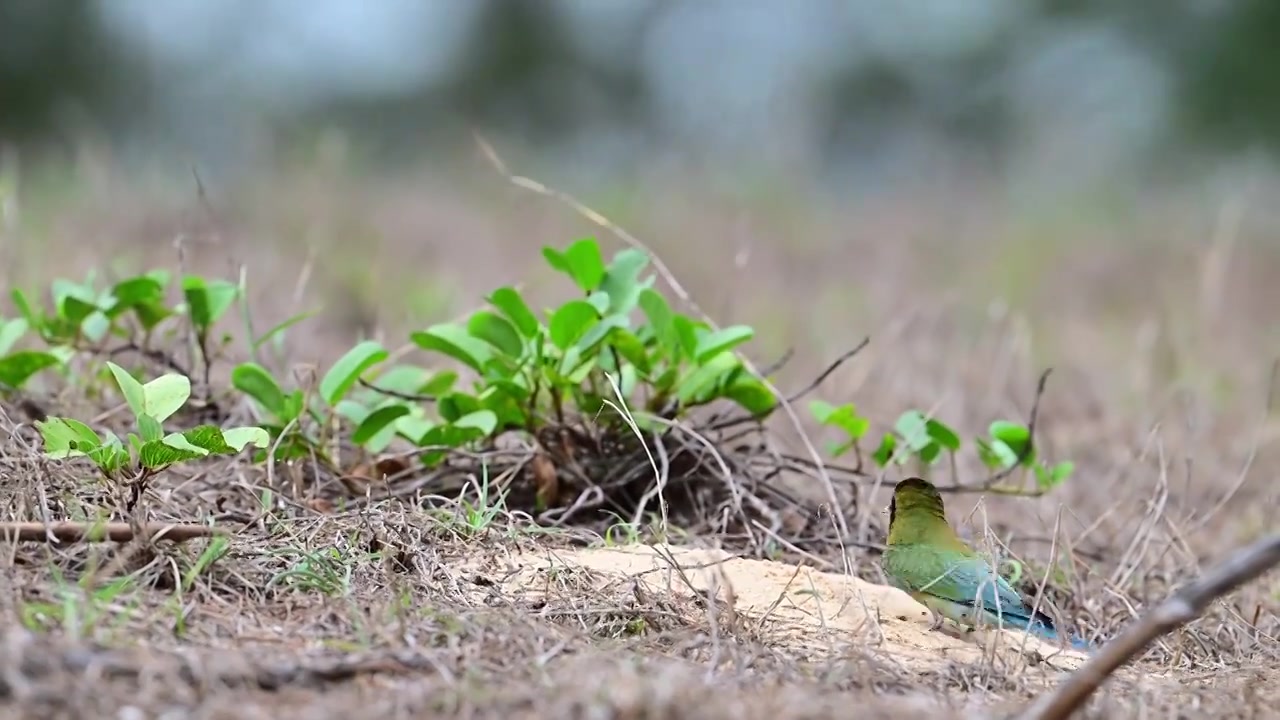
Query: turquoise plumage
{"points": [[926, 559]]}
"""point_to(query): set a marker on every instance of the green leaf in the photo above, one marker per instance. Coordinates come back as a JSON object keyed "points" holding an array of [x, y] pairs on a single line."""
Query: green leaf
{"points": [[130, 388], [582, 261], [599, 300], [511, 388], [465, 429], [134, 292], [632, 349], [485, 421], [210, 439], [378, 421], [497, 331], [75, 310], [884, 453], [667, 380], [165, 395], [844, 417], [943, 435], [628, 379], [66, 437], [149, 428], [661, 320], [414, 428], [821, 410], [1016, 437], [721, 340], [996, 454], [1062, 471], [752, 395], [159, 454], [441, 383], [509, 301], [95, 326], [354, 411], [18, 367], [24, 306], [349, 368], [208, 301], [581, 369], [600, 331], [453, 340], [698, 385], [110, 457], [456, 404], [11, 332], [571, 322], [243, 436], [621, 280], [686, 331], [913, 427], [400, 379], [255, 381], [151, 314]]}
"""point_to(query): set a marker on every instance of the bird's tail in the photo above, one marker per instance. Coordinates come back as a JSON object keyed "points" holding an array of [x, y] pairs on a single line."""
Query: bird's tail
{"points": [[1042, 625]]}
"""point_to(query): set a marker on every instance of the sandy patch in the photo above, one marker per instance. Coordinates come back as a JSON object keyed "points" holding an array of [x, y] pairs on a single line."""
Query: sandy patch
{"points": [[815, 612]]}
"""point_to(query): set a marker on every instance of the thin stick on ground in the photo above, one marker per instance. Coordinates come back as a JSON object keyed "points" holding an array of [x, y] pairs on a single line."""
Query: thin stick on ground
{"points": [[98, 532], [1182, 607], [604, 222]]}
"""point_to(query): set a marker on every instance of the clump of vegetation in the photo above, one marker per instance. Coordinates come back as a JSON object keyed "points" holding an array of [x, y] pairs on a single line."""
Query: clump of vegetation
{"points": [[612, 410]]}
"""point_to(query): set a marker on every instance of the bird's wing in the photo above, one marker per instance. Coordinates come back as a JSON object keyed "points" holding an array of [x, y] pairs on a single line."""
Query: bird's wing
{"points": [[964, 579]]}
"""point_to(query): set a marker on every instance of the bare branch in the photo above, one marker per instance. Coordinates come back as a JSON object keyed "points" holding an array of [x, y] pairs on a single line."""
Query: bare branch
{"points": [[1182, 607], [830, 369], [97, 532]]}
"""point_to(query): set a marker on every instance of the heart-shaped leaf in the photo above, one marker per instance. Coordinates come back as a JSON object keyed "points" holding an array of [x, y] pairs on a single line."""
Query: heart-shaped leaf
{"points": [[497, 331], [571, 321], [509, 301], [165, 395]]}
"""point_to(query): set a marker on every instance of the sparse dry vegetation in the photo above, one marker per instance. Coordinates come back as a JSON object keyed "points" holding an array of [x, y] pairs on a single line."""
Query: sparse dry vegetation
{"points": [[655, 535]]}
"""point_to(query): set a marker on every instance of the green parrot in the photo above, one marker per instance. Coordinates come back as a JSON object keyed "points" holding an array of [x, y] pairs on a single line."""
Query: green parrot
{"points": [[931, 563]]}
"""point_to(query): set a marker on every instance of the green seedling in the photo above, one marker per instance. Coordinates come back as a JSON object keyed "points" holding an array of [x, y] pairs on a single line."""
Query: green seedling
{"points": [[149, 450]]}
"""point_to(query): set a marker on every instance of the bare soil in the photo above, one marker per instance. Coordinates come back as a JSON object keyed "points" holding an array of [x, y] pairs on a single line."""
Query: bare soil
{"points": [[1162, 344]]}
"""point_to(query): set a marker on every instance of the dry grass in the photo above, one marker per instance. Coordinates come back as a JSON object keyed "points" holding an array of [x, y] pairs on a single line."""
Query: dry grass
{"points": [[401, 607]]}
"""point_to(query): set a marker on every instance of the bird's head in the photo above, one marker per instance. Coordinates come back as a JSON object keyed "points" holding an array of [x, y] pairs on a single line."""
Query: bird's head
{"points": [[915, 497]]}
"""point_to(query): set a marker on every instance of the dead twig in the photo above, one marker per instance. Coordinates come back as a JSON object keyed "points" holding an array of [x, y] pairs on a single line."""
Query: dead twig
{"points": [[835, 364], [737, 420], [1182, 607], [98, 532]]}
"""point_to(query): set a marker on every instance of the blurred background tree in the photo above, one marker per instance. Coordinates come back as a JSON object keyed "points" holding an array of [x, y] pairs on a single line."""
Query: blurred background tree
{"points": [[849, 92]]}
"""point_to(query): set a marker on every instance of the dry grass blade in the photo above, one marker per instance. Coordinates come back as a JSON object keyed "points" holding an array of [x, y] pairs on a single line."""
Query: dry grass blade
{"points": [[1183, 607]]}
